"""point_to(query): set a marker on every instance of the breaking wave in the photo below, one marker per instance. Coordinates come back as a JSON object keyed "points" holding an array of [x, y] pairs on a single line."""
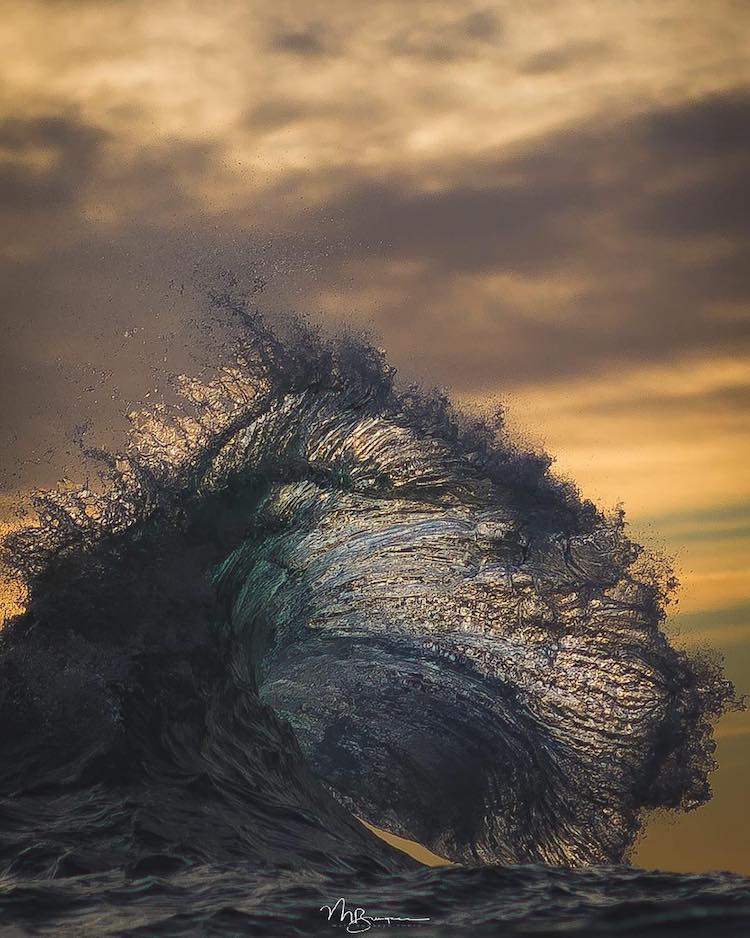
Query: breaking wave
{"points": [[304, 594]]}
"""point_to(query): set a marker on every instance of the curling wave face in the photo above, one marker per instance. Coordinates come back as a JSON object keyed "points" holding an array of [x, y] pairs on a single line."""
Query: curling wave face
{"points": [[489, 682], [304, 594]]}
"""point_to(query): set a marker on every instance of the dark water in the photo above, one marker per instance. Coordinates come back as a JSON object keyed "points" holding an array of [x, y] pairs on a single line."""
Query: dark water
{"points": [[517, 900], [303, 594]]}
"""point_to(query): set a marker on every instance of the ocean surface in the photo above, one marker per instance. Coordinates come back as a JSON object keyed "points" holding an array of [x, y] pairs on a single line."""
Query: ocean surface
{"points": [[304, 594]]}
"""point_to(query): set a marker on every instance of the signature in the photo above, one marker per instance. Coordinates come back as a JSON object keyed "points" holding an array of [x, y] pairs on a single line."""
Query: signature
{"points": [[357, 921]]}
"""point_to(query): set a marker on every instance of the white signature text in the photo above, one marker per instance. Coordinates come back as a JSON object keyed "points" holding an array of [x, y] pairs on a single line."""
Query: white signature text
{"points": [[357, 921]]}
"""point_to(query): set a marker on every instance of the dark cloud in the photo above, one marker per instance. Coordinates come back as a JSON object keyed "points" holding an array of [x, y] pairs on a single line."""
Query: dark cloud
{"points": [[656, 248], [715, 126], [537, 210], [569, 55], [630, 210], [720, 400], [75, 281], [273, 113], [482, 24], [307, 42], [481, 226], [69, 150], [706, 147], [463, 37]]}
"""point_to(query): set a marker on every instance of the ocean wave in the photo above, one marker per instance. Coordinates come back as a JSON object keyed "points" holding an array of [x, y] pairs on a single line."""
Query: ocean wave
{"points": [[304, 593]]}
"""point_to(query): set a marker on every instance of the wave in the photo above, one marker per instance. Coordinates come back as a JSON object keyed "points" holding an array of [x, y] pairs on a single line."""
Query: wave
{"points": [[303, 593]]}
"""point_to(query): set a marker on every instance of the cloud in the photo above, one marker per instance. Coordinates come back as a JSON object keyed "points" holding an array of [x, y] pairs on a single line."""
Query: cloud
{"points": [[706, 145], [549, 261], [46, 161], [562, 252], [307, 42], [272, 113], [90, 244], [558, 258], [481, 24], [446, 37], [569, 55]]}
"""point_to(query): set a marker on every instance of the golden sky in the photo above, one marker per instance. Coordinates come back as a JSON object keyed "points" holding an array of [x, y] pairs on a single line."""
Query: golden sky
{"points": [[538, 203]]}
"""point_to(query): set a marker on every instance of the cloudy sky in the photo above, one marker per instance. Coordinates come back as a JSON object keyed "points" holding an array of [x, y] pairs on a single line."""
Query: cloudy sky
{"points": [[538, 203]]}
